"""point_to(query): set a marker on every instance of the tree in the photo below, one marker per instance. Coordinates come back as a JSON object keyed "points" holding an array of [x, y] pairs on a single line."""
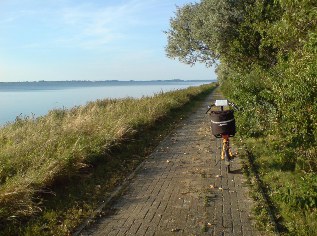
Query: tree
{"points": [[185, 40], [222, 31]]}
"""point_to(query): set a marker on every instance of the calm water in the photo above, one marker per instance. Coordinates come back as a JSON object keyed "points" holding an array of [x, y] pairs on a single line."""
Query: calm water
{"points": [[39, 98]]}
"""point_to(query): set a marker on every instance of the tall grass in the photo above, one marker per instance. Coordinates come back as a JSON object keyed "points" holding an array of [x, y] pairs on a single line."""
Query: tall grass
{"points": [[292, 193], [34, 152]]}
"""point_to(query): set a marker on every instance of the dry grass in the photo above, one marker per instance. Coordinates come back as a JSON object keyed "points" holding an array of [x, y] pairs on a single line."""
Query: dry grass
{"points": [[34, 152]]}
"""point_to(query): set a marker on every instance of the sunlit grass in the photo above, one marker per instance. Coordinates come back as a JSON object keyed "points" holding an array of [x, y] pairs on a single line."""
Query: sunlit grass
{"points": [[34, 153], [292, 192]]}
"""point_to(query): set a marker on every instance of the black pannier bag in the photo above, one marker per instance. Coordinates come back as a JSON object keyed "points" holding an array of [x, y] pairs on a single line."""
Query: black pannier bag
{"points": [[222, 122]]}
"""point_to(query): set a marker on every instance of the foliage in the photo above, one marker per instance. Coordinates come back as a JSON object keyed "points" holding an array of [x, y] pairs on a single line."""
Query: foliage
{"points": [[183, 38], [293, 193], [201, 32], [266, 51]]}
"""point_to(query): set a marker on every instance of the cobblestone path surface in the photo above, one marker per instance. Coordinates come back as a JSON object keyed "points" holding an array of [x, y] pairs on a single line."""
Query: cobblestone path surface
{"points": [[183, 189]]}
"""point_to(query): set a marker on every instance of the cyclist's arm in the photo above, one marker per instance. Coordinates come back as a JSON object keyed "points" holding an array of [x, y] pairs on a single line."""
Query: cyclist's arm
{"points": [[209, 107], [233, 105]]}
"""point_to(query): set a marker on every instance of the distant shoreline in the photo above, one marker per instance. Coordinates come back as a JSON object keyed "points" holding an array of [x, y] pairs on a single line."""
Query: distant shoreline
{"points": [[52, 85]]}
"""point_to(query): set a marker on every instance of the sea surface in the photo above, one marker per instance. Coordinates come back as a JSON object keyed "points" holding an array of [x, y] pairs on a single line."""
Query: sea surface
{"points": [[37, 98]]}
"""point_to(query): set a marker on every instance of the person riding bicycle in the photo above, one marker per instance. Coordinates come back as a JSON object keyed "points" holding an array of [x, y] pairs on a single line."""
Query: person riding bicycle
{"points": [[223, 126]]}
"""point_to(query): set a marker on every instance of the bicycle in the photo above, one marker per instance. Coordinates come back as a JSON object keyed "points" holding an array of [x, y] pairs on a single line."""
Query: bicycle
{"points": [[223, 126]]}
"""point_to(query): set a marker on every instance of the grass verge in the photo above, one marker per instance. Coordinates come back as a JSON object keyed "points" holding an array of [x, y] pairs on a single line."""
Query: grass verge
{"points": [[290, 195], [56, 169]]}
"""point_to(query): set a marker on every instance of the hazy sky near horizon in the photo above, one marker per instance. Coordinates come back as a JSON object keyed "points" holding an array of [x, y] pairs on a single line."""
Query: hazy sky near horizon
{"points": [[89, 40]]}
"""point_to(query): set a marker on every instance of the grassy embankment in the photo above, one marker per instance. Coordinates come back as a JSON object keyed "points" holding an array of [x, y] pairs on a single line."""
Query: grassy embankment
{"points": [[55, 170], [289, 195]]}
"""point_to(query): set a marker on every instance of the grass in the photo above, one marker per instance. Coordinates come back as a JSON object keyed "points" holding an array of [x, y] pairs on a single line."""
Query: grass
{"points": [[292, 193], [55, 170]]}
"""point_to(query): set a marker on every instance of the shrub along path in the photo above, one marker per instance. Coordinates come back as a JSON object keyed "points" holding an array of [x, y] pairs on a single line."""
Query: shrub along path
{"points": [[182, 189]]}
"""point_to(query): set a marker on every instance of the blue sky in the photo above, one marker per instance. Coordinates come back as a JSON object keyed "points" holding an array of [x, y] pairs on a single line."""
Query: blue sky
{"points": [[89, 40]]}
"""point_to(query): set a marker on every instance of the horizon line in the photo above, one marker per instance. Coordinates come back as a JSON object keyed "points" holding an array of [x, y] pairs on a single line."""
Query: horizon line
{"points": [[54, 81]]}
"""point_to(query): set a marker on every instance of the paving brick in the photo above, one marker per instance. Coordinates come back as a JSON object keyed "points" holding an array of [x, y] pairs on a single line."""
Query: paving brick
{"points": [[134, 227]]}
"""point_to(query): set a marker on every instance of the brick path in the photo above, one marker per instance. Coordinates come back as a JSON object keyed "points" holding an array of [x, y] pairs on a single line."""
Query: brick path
{"points": [[182, 189]]}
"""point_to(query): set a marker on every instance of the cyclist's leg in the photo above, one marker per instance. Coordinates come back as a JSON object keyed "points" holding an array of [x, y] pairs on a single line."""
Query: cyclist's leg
{"points": [[223, 149], [225, 144], [231, 156], [227, 157], [226, 153]]}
